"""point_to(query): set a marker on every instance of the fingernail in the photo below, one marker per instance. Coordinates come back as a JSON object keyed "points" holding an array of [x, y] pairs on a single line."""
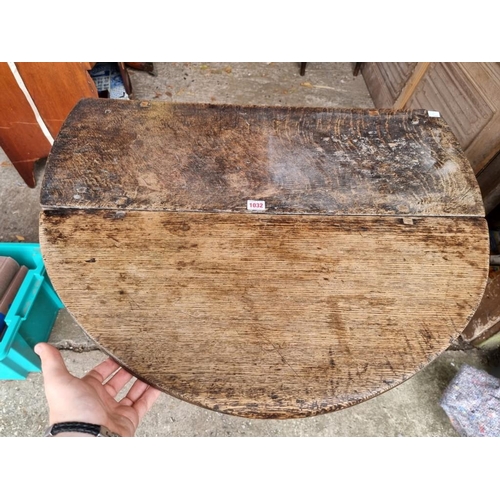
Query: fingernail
{"points": [[38, 348]]}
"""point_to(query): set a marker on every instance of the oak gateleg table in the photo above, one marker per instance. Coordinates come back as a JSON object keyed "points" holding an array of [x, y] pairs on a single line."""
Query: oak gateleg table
{"points": [[264, 262]]}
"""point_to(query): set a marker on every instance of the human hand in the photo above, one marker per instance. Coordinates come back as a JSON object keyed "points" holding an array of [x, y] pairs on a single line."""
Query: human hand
{"points": [[88, 400]]}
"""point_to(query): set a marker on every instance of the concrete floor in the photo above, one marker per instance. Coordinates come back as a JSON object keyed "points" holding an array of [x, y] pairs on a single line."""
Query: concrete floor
{"points": [[411, 409]]}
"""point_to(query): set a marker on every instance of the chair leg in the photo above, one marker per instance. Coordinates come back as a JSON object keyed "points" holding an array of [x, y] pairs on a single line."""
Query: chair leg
{"points": [[357, 68], [302, 69]]}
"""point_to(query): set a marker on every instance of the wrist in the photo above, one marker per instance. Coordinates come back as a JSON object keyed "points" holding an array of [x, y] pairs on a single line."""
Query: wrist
{"points": [[79, 428], [76, 415], [72, 434]]}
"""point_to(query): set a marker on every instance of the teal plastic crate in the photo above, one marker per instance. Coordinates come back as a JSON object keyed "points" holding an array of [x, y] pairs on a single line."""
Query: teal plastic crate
{"points": [[30, 317]]}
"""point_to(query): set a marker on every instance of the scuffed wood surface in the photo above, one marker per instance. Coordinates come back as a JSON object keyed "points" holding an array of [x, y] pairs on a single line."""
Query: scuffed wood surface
{"points": [[343, 289], [267, 315], [197, 157]]}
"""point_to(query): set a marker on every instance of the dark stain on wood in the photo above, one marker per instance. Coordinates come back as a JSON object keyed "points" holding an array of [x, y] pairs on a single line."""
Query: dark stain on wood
{"points": [[373, 228], [216, 320], [199, 157]]}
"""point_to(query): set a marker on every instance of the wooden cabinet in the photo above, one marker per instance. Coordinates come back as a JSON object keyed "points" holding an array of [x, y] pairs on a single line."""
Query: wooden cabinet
{"points": [[466, 94], [35, 99]]}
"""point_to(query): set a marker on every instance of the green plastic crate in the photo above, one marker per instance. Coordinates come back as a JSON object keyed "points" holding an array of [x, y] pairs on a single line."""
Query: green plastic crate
{"points": [[30, 317]]}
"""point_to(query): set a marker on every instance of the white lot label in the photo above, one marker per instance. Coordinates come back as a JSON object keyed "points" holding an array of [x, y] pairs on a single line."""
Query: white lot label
{"points": [[434, 114], [256, 205]]}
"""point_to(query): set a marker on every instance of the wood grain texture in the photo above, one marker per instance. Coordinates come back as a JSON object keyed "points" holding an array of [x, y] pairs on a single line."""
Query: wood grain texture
{"points": [[468, 97], [385, 81], [371, 257], [412, 83], [267, 316], [486, 144], [446, 88], [486, 320], [197, 157], [20, 135], [489, 183]]}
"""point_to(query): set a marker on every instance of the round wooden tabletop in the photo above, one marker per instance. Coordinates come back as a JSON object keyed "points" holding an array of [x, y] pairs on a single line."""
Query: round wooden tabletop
{"points": [[264, 262]]}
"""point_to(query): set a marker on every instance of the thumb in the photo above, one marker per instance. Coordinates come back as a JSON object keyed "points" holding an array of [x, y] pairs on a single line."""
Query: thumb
{"points": [[53, 366]]}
